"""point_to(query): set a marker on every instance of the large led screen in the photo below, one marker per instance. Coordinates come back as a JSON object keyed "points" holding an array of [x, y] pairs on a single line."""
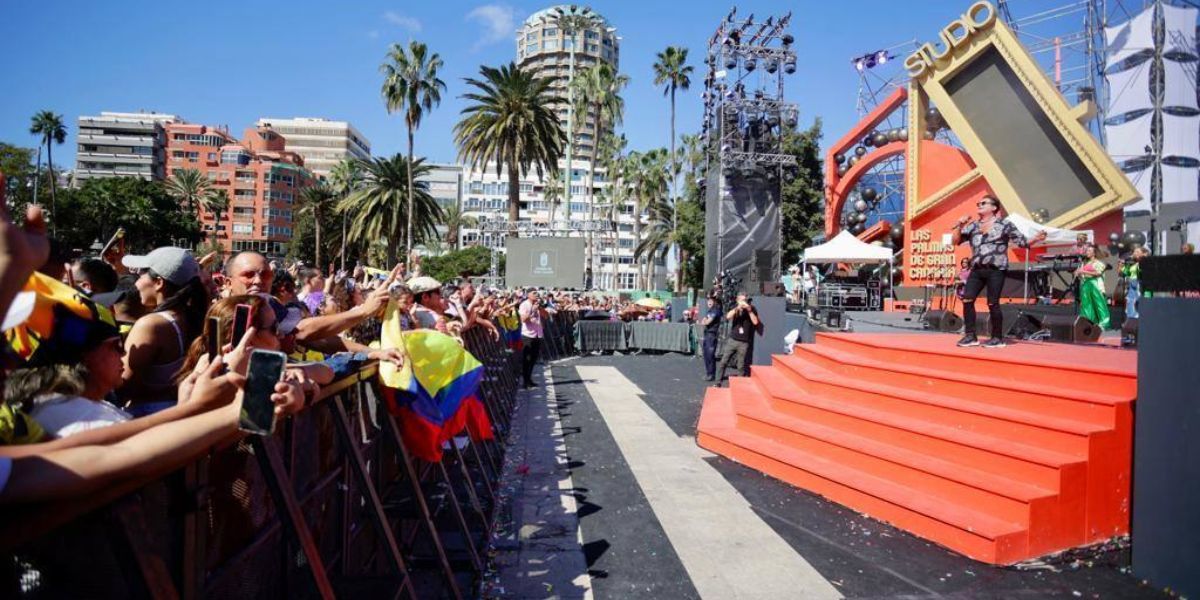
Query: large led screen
{"points": [[545, 262]]}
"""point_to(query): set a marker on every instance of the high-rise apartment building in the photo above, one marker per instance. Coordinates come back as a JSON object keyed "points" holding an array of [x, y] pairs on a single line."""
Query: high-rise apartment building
{"points": [[544, 50], [261, 178], [485, 198], [321, 142], [117, 144]]}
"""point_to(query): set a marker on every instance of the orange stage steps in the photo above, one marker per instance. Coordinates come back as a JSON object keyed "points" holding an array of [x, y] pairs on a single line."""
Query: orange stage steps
{"points": [[999, 454]]}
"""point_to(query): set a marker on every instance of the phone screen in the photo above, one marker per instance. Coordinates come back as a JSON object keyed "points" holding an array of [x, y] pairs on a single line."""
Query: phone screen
{"points": [[241, 322], [212, 338], [258, 412]]}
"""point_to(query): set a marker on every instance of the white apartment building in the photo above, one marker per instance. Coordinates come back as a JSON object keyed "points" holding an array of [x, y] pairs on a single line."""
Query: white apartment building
{"points": [[485, 197], [120, 144], [322, 143]]}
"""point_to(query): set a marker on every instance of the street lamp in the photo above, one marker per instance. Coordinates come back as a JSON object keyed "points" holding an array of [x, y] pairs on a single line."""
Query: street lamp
{"points": [[571, 20]]}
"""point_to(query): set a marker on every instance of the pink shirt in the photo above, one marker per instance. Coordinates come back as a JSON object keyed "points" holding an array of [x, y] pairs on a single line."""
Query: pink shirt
{"points": [[531, 320]]}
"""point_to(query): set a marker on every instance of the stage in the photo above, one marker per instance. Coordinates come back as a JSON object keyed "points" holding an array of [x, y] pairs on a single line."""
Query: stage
{"points": [[1000, 454]]}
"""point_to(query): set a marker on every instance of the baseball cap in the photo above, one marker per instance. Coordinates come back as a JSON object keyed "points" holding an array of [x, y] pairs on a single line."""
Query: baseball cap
{"points": [[422, 284], [176, 265]]}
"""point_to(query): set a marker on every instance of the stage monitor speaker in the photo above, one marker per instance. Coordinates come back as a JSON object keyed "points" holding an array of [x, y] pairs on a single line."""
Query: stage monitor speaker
{"points": [[1070, 328], [942, 320], [773, 288], [833, 319]]}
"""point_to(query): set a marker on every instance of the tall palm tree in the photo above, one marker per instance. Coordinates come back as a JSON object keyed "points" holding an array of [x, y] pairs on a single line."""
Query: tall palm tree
{"points": [[317, 200], [216, 203], [50, 127], [509, 122], [571, 20], [189, 187], [455, 220], [411, 85], [378, 208], [612, 151], [599, 92], [345, 178], [552, 193], [673, 73]]}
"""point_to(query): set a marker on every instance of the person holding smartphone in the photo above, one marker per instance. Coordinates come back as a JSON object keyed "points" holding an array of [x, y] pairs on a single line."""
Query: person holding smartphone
{"points": [[743, 324], [990, 237]]}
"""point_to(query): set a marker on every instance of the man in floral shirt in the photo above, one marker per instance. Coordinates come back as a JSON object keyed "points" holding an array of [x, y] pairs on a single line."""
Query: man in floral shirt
{"points": [[990, 237]]}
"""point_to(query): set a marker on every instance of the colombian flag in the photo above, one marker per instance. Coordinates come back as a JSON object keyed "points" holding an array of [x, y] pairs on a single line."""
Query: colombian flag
{"points": [[434, 393], [512, 330]]}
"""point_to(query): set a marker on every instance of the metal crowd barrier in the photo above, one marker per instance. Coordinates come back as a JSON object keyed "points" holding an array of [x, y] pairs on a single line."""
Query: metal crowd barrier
{"points": [[332, 504]]}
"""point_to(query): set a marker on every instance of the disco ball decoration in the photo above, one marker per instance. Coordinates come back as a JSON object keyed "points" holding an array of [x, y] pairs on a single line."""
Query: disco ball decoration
{"points": [[867, 141], [933, 118], [839, 158], [902, 134], [862, 218], [880, 140], [841, 170], [859, 228], [860, 151], [893, 135], [897, 232], [853, 161], [860, 206], [927, 135], [870, 195]]}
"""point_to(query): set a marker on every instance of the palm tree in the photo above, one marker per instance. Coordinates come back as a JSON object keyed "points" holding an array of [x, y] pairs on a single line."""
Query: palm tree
{"points": [[612, 152], [317, 200], [571, 20], [216, 203], [455, 220], [50, 127], [345, 178], [510, 123], [411, 85], [649, 179], [378, 208], [672, 72], [659, 234], [189, 187], [599, 88], [552, 193]]}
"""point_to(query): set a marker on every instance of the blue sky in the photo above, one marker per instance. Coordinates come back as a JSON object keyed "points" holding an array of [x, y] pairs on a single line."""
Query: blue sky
{"points": [[230, 63]]}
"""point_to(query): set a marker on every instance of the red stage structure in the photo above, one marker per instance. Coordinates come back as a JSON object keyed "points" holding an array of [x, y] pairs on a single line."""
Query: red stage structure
{"points": [[1002, 455]]}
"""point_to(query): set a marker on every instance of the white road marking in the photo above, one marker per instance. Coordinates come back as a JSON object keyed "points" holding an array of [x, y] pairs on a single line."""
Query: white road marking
{"points": [[727, 550]]}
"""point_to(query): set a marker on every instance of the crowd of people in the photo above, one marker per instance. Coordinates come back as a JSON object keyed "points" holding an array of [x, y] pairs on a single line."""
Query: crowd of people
{"points": [[109, 368]]}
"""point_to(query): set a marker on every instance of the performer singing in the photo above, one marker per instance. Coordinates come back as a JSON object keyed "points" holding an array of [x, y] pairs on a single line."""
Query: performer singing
{"points": [[1093, 305], [989, 237]]}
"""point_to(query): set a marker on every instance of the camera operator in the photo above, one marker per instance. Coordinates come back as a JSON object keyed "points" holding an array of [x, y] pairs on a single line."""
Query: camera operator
{"points": [[743, 323], [532, 312]]}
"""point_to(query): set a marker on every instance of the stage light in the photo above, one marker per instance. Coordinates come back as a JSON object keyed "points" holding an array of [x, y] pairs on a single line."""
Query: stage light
{"points": [[750, 64], [789, 67], [860, 65], [731, 62], [881, 57], [791, 121], [787, 39], [772, 66]]}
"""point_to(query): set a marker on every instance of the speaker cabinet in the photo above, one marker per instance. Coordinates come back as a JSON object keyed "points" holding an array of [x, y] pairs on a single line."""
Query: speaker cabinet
{"points": [[1070, 328], [942, 320]]}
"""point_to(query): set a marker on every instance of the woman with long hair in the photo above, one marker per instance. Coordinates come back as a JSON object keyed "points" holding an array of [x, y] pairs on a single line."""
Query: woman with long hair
{"points": [[170, 287], [1093, 304]]}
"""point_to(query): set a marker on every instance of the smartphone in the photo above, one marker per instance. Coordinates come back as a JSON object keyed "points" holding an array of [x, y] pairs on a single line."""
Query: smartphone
{"points": [[258, 412], [212, 339], [241, 322]]}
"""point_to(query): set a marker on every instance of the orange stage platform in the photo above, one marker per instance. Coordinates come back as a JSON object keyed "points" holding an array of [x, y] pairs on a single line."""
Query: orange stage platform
{"points": [[999, 454]]}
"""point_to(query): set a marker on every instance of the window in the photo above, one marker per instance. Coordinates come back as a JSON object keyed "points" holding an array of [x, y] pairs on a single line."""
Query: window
{"points": [[549, 31], [526, 188], [243, 211], [550, 44], [531, 36], [626, 281], [626, 260], [212, 156], [591, 48], [243, 228], [477, 187], [590, 34], [531, 48]]}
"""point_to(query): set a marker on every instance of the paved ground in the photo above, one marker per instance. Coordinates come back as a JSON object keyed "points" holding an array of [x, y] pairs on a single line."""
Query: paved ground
{"points": [[652, 509]]}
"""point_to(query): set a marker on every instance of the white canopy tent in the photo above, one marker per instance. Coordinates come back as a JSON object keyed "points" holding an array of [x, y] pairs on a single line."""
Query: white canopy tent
{"points": [[845, 247]]}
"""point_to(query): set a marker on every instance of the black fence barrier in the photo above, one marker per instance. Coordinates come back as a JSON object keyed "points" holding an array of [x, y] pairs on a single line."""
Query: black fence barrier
{"points": [[333, 504]]}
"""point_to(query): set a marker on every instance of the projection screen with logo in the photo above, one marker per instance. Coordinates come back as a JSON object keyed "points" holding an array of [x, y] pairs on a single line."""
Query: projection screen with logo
{"points": [[545, 262]]}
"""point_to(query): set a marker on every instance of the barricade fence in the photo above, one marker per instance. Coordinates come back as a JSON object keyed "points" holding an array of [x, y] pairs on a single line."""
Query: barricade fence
{"points": [[332, 504]]}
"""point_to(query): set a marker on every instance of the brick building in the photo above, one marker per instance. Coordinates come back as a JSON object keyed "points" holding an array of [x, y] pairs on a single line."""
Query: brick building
{"points": [[261, 178]]}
